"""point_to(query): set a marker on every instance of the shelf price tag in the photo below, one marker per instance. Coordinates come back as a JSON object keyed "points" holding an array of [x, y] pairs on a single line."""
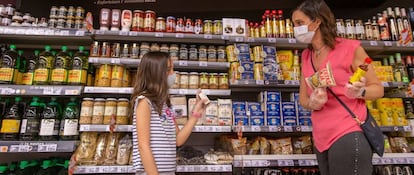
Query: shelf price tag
{"points": [[288, 128], [306, 162], [93, 60], [80, 33], [292, 41], [7, 91], [260, 163], [203, 64], [376, 161], [1, 30], [373, 43], [247, 163], [411, 44], [208, 36], [84, 127], [386, 161], [99, 32], [271, 40], [388, 43], [71, 92], [256, 129], [252, 40], [410, 160], [159, 34], [180, 168], [275, 128], [179, 35], [306, 128], [133, 33], [183, 91], [116, 61], [48, 91], [407, 128], [189, 168], [123, 33], [64, 33], [285, 163], [47, 148], [183, 63], [239, 39], [260, 82], [399, 160]]}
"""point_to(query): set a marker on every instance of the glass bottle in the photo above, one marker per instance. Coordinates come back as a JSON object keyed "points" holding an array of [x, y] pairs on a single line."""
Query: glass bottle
{"points": [[29, 129], [27, 78], [392, 25], [282, 26], [11, 121], [78, 73], [400, 68], [19, 68]]}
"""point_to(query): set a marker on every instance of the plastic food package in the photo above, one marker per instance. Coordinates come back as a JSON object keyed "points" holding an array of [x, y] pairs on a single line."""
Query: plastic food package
{"points": [[321, 78], [239, 146], [281, 146], [100, 149], [302, 145], [111, 148], [86, 149], [124, 150]]}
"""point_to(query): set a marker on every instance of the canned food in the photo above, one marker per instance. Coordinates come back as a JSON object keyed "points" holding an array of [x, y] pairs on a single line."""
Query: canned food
{"points": [[71, 13], [184, 80], [117, 75], [208, 27], [94, 51], [217, 27], [98, 111], [213, 81], [350, 29], [203, 80], [180, 26], [258, 71], [149, 21], [170, 24], [160, 25], [86, 112], [258, 54], [105, 50], [138, 21], [122, 112], [198, 26], [223, 81], [202, 53], [174, 51], [221, 54], [110, 111], [189, 26], [116, 50], [125, 51], [134, 51], [211, 54], [104, 75], [80, 13], [193, 80]]}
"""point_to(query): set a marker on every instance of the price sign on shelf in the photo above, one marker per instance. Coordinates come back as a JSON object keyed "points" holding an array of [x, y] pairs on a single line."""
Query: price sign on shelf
{"points": [[388, 43], [47, 148], [123, 33], [183, 91], [373, 43], [208, 36], [252, 40], [288, 128], [203, 63], [256, 129], [271, 40], [64, 33], [159, 34], [182, 63], [410, 160], [292, 41], [133, 33], [84, 127], [239, 39], [225, 37], [179, 35], [116, 61], [285, 163], [80, 33], [386, 161]]}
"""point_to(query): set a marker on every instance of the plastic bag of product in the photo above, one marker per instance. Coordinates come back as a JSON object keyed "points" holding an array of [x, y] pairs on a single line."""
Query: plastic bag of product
{"points": [[302, 145], [264, 146], [99, 157], [254, 147], [111, 148], [321, 78], [239, 146], [124, 150], [87, 146], [281, 146]]}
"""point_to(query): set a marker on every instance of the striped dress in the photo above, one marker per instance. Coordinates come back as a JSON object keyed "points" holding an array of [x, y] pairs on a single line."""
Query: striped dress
{"points": [[162, 139]]}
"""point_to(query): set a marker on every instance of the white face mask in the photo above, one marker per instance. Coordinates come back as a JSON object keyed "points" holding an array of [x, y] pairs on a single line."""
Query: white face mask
{"points": [[171, 80], [303, 35]]}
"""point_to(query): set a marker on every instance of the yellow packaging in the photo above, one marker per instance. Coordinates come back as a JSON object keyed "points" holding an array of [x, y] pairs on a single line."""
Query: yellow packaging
{"points": [[285, 59], [375, 113], [369, 104], [231, 55], [258, 54], [234, 73], [398, 118], [376, 64], [386, 118], [258, 71], [397, 104], [382, 103]]}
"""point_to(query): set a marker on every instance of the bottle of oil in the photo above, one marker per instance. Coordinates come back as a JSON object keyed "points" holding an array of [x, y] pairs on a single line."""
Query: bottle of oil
{"points": [[27, 78], [50, 120], [295, 73], [79, 72], [11, 121], [61, 67], [7, 65], [282, 25], [30, 124], [19, 68], [44, 67], [70, 120]]}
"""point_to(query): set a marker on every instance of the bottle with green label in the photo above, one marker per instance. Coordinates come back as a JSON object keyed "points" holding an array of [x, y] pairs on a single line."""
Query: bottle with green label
{"points": [[78, 73], [70, 120], [27, 78], [11, 121], [50, 121], [19, 68], [61, 67], [44, 67], [7, 65], [30, 124]]}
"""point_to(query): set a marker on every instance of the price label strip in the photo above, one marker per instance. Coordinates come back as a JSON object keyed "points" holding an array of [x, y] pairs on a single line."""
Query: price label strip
{"points": [[47, 148]]}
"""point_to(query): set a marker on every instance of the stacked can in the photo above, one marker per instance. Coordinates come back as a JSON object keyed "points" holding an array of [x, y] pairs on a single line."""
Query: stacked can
{"points": [[270, 66], [241, 66]]}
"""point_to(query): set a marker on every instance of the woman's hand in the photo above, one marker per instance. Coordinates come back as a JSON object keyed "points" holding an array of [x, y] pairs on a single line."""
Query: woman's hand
{"points": [[318, 98], [356, 89]]}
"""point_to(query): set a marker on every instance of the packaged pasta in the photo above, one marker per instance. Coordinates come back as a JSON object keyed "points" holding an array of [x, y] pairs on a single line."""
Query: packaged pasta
{"points": [[100, 149], [86, 148], [124, 150], [111, 148], [321, 78]]}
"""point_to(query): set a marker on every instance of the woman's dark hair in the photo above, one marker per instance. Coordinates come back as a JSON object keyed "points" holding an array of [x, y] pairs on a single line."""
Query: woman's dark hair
{"points": [[318, 9], [152, 79]]}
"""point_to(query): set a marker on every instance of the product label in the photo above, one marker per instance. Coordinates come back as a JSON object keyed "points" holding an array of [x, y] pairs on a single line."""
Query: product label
{"points": [[23, 126], [46, 62], [86, 111], [122, 111], [98, 110], [47, 127], [116, 74], [77, 76], [27, 78], [110, 110], [6, 74], [59, 75], [41, 75], [10, 126], [70, 127]]}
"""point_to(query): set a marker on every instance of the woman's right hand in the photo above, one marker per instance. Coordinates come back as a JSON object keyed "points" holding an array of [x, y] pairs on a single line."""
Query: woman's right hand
{"points": [[318, 98]]}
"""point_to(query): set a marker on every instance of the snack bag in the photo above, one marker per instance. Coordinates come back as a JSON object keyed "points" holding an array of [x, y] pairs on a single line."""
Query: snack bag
{"points": [[322, 78]]}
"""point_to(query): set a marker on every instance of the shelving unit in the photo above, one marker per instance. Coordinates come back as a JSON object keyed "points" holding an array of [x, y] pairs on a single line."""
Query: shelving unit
{"points": [[37, 146], [40, 90]]}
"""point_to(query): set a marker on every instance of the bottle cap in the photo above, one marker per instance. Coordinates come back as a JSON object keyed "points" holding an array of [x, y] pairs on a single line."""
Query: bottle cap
{"points": [[64, 48], [12, 46], [48, 48], [368, 60]]}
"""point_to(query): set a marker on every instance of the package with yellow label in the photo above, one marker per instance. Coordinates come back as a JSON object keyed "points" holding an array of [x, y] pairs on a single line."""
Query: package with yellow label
{"points": [[285, 60]]}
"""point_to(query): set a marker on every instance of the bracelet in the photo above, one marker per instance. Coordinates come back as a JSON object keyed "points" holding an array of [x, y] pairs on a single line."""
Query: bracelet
{"points": [[196, 114]]}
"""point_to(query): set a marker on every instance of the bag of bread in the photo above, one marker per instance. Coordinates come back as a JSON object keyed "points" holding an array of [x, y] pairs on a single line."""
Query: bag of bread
{"points": [[87, 146], [124, 150], [99, 157], [111, 148]]}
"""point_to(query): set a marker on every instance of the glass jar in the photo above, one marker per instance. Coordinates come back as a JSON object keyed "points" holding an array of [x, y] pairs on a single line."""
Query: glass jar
{"points": [[117, 75], [177, 80], [174, 51], [202, 53], [71, 13], [203, 80], [98, 111], [223, 81], [211, 54], [221, 54], [110, 111], [193, 80], [170, 24], [86, 112], [164, 48], [149, 21], [116, 50], [104, 75], [160, 25], [183, 52], [217, 27], [122, 112], [184, 80], [126, 78], [134, 51], [155, 47], [53, 12], [192, 53], [213, 81], [138, 21], [208, 27]]}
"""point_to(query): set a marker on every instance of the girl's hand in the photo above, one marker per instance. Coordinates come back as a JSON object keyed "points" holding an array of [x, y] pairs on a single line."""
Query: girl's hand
{"points": [[200, 106]]}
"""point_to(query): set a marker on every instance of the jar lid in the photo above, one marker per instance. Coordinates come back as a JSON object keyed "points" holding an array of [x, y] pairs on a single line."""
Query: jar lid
{"points": [[184, 73], [193, 73], [87, 99], [99, 99], [207, 20], [111, 99], [223, 74], [149, 11], [160, 18], [217, 20], [140, 11], [213, 74], [203, 73], [123, 99]]}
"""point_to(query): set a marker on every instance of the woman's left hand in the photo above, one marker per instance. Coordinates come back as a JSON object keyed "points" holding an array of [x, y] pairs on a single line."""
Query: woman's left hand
{"points": [[356, 89]]}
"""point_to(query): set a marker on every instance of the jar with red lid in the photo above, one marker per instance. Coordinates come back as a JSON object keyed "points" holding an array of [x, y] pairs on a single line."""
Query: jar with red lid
{"points": [[160, 25], [170, 24], [149, 21], [138, 21], [198, 26], [189, 26], [180, 26]]}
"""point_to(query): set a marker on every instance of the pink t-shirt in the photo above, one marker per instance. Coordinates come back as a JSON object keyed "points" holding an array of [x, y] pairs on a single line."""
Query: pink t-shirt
{"points": [[333, 121]]}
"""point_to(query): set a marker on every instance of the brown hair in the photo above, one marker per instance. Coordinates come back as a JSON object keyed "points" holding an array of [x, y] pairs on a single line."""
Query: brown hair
{"points": [[152, 79], [318, 9]]}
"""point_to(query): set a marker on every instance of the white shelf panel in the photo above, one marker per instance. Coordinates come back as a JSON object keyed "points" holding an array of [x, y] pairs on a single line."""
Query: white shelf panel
{"points": [[40, 90], [204, 168], [198, 128], [107, 90], [214, 92], [104, 128]]}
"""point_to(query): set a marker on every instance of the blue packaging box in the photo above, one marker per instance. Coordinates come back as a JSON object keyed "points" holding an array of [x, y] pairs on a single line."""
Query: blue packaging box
{"points": [[289, 121], [305, 121], [270, 96], [243, 48], [294, 96], [257, 121], [255, 109], [239, 109], [247, 76], [243, 57], [243, 119], [246, 66], [273, 109], [273, 120], [289, 108]]}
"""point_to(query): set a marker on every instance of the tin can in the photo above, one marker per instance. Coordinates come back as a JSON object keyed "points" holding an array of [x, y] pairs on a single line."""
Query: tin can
{"points": [[359, 30], [116, 50], [208, 27], [189, 26], [231, 56], [125, 51], [258, 54], [170, 24], [160, 25], [134, 51], [80, 13], [94, 51], [138, 21], [198, 26], [340, 28], [149, 21], [180, 26], [368, 30], [218, 27], [258, 71], [350, 28], [105, 50]]}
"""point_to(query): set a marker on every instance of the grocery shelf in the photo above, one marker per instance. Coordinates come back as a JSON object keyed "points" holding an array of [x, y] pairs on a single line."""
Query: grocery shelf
{"points": [[37, 146], [396, 128], [199, 128], [212, 92], [285, 43], [272, 128], [107, 90], [103, 169], [393, 84], [40, 90], [157, 37], [310, 160], [104, 128], [204, 168], [182, 64], [260, 85], [36, 37]]}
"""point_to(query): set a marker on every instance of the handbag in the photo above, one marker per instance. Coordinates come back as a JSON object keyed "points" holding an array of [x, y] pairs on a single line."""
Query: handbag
{"points": [[371, 130]]}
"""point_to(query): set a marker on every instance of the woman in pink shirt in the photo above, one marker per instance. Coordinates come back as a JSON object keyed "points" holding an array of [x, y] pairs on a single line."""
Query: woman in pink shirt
{"points": [[341, 147]]}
